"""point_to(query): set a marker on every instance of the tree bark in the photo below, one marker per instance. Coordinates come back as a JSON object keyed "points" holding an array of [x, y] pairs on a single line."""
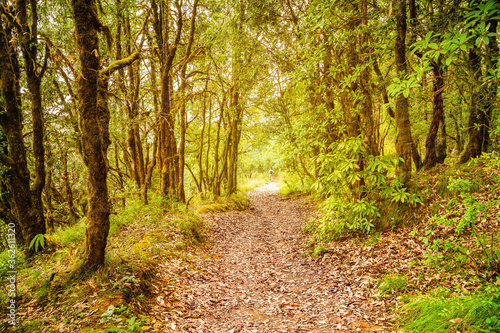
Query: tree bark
{"points": [[169, 173], [94, 124], [436, 152], [28, 208], [481, 102], [404, 138]]}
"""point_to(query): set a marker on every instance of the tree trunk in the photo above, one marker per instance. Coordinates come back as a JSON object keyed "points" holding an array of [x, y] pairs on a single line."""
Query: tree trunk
{"points": [[68, 193], [215, 177], [28, 208], [403, 139], [436, 153], [169, 173], [481, 103], [94, 128], [369, 124], [234, 139]]}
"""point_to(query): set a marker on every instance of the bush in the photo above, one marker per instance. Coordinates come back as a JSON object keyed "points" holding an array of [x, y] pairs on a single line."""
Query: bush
{"points": [[354, 195]]}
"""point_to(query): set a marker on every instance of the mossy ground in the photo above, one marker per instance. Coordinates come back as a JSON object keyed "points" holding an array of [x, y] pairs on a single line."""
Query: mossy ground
{"points": [[141, 238]]}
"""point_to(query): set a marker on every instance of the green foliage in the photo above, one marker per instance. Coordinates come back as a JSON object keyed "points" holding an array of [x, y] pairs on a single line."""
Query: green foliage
{"points": [[477, 312], [118, 315], [340, 216], [398, 193], [403, 86], [355, 194], [451, 249], [373, 239], [469, 34], [293, 184], [318, 251], [391, 283], [38, 240]]}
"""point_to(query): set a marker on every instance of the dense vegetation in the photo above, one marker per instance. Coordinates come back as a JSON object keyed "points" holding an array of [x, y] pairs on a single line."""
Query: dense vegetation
{"points": [[113, 112]]}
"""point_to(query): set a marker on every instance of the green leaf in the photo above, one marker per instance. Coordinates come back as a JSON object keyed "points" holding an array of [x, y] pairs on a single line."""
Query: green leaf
{"points": [[38, 240], [428, 36]]}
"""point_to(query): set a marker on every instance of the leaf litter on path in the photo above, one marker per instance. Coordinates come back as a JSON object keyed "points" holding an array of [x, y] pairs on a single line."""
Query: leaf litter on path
{"points": [[257, 277]]}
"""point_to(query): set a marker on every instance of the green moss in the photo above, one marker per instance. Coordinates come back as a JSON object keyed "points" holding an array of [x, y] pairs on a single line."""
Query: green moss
{"points": [[213, 208], [237, 201], [192, 228]]}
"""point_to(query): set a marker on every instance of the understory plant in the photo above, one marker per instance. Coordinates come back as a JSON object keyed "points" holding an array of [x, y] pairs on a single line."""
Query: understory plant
{"points": [[472, 250], [355, 184], [450, 250], [477, 312]]}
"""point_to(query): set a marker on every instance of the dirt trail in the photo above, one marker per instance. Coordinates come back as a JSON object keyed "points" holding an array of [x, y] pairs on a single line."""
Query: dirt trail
{"points": [[257, 277]]}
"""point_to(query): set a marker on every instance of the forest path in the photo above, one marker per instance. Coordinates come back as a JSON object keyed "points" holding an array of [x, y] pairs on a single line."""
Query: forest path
{"points": [[257, 277]]}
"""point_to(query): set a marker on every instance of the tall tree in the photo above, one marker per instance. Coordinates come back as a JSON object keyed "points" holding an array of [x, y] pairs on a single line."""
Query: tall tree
{"points": [[27, 199], [403, 139], [482, 99], [93, 130]]}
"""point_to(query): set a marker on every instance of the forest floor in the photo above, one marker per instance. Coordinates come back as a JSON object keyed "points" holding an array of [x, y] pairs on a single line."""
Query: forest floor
{"points": [[259, 272], [257, 275]]}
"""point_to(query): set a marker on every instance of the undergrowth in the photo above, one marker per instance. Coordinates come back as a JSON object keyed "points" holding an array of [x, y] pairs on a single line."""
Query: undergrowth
{"points": [[478, 312], [354, 199], [461, 241], [236, 201], [141, 236], [293, 185]]}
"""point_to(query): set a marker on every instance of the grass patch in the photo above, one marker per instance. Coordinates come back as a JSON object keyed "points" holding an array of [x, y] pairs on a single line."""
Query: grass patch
{"points": [[392, 283], [318, 250], [252, 183], [70, 234], [470, 313], [237, 201], [192, 228]]}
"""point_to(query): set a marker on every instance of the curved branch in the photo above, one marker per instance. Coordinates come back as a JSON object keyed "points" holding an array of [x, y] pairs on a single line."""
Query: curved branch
{"points": [[119, 64]]}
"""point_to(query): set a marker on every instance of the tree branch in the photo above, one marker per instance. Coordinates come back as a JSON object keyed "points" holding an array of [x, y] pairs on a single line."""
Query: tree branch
{"points": [[118, 64]]}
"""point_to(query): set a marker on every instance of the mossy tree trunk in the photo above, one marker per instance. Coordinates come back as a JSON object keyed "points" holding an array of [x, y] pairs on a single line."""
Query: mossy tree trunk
{"points": [[235, 123], [26, 201], [404, 138], [435, 142], [93, 129], [482, 100], [95, 139], [188, 55], [167, 50]]}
